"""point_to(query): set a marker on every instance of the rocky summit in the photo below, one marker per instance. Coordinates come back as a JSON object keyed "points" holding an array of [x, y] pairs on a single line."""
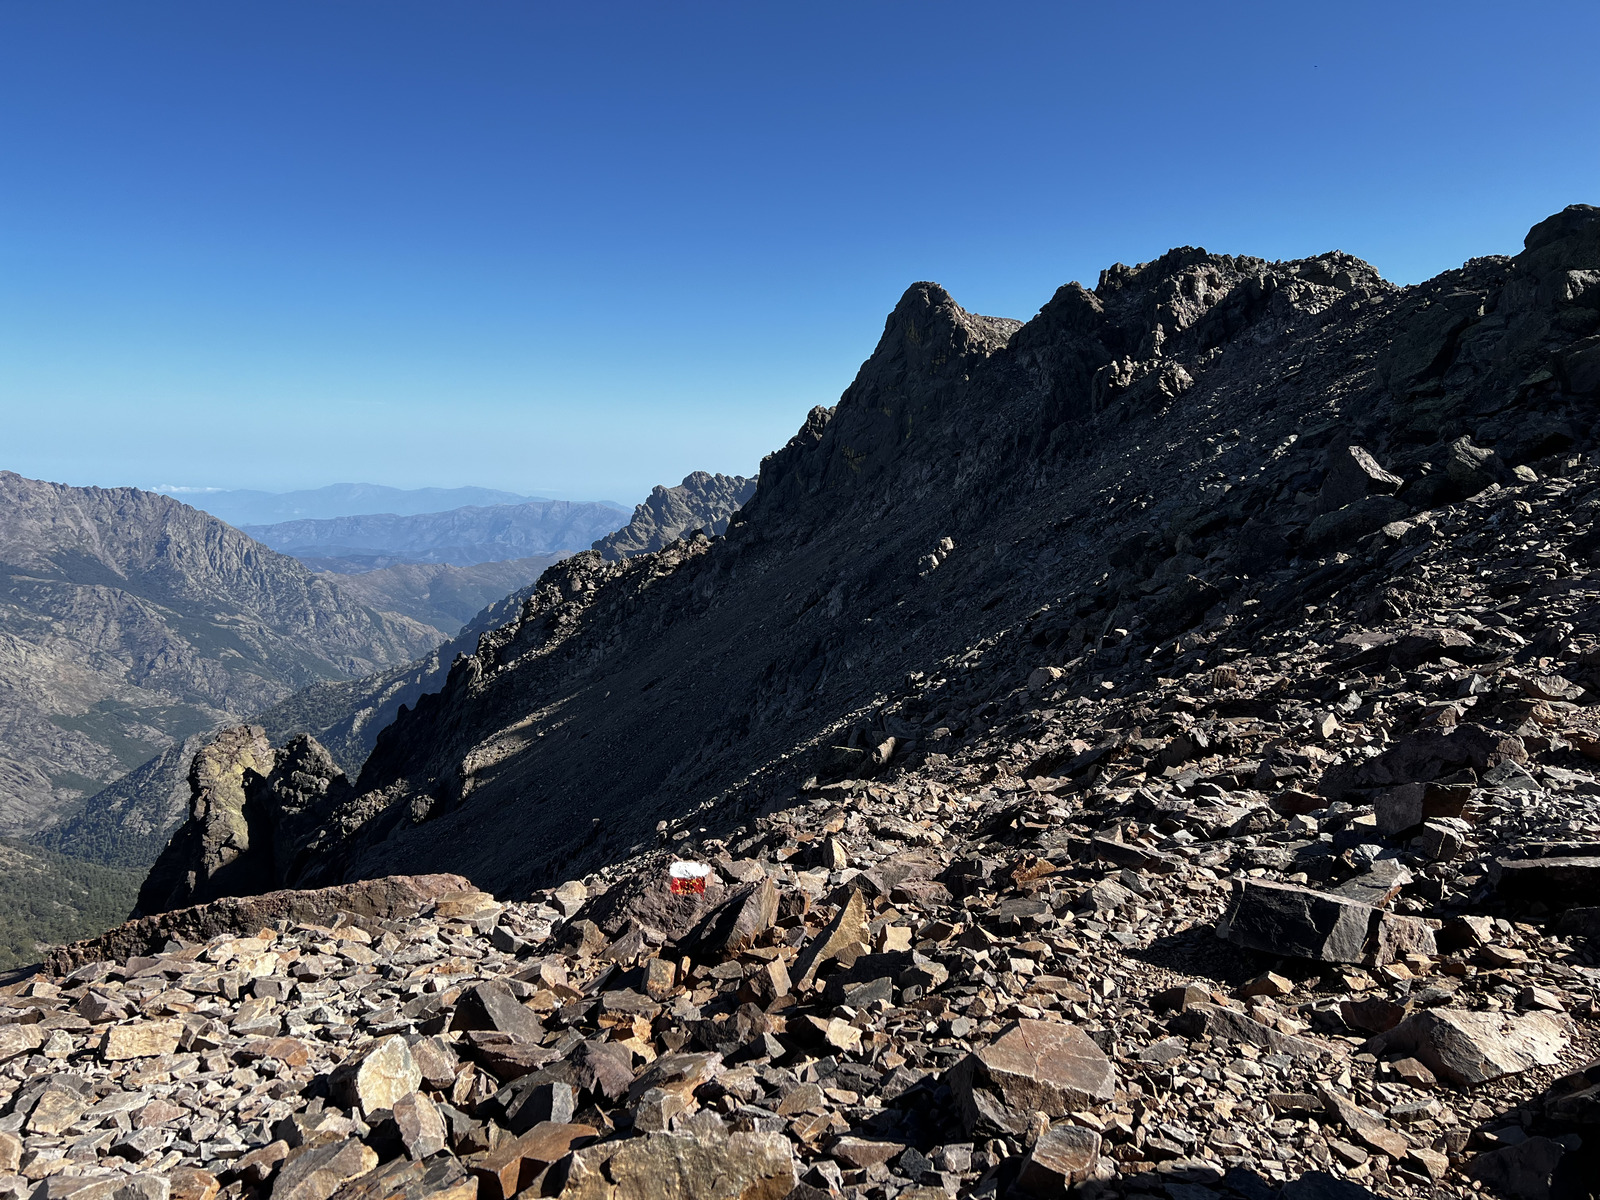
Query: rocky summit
{"points": [[1149, 751], [701, 502]]}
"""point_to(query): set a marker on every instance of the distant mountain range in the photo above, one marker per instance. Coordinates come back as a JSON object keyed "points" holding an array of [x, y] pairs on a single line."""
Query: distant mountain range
{"points": [[133, 625], [462, 536], [130, 620], [242, 507]]}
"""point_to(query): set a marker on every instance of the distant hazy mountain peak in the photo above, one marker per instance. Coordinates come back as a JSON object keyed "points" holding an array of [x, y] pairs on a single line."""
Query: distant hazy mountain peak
{"points": [[248, 507], [701, 501]]}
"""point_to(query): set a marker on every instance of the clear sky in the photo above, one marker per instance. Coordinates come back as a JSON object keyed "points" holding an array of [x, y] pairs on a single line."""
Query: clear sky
{"points": [[584, 248]]}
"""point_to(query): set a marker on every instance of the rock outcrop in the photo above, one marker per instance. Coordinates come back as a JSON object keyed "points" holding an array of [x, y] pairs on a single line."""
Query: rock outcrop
{"points": [[257, 815], [702, 502]]}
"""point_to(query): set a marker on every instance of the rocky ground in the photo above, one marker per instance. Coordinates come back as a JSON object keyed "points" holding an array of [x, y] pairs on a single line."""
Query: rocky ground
{"points": [[1305, 914]]}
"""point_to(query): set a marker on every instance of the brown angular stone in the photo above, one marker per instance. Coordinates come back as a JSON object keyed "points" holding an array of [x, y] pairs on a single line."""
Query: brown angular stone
{"points": [[491, 1005], [1397, 936], [422, 1130], [1063, 1156], [1367, 1127], [316, 1172], [464, 906], [508, 1168], [861, 1153], [377, 1075], [287, 1050], [1035, 1066], [806, 1098], [749, 913], [660, 978], [744, 1166], [141, 1039], [258, 1166], [437, 1061], [1224, 1024], [440, 1179], [1375, 1014], [843, 935], [504, 1056], [191, 1183], [56, 1108]]}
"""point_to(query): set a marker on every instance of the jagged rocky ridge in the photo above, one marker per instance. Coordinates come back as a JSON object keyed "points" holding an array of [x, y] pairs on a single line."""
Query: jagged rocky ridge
{"points": [[1148, 457], [129, 620], [970, 945], [701, 501]]}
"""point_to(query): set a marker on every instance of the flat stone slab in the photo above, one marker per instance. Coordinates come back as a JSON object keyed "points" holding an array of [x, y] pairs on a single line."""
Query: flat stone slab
{"points": [[671, 1166], [1037, 1066], [1469, 1048]]}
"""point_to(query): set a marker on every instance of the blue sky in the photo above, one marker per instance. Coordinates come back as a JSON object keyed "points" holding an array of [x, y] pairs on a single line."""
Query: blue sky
{"points": [[581, 249]]}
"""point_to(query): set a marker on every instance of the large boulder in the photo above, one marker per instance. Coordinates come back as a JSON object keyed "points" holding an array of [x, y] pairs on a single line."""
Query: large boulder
{"points": [[1032, 1066], [1469, 1048], [1282, 918], [376, 1076], [1352, 475]]}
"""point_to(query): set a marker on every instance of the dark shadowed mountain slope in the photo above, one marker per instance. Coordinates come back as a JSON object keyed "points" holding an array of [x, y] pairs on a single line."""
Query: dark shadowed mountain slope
{"points": [[129, 621], [1140, 479], [463, 536], [701, 501]]}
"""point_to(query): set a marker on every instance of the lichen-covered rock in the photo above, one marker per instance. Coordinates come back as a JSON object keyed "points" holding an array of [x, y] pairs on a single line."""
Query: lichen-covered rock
{"points": [[667, 1166]]}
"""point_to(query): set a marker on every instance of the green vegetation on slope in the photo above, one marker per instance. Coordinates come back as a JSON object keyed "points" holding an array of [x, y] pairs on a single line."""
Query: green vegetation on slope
{"points": [[47, 898]]}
